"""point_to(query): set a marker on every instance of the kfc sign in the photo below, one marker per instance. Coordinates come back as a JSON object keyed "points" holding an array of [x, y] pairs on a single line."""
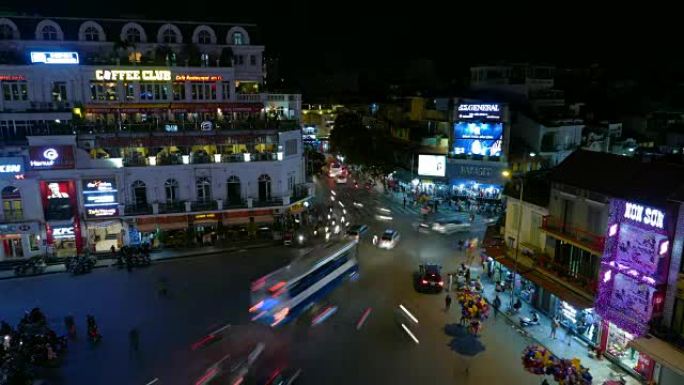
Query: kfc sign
{"points": [[646, 215], [51, 157], [63, 232]]}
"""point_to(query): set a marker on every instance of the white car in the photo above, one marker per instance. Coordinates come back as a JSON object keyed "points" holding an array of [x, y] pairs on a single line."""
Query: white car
{"points": [[450, 227], [389, 239]]}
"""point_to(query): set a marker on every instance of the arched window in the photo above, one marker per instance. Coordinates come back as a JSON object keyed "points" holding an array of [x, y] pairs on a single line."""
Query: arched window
{"points": [[203, 189], [171, 189], [11, 204], [49, 32], [133, 35], [204, 37], [6, 32], [139, 190], [238, 38], [169, 36], [234, 190], [264, 187], [92, 34]]}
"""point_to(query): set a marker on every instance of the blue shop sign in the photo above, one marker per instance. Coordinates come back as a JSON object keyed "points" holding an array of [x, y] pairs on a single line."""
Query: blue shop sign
{"points": [[11, 165], [480, 173]]}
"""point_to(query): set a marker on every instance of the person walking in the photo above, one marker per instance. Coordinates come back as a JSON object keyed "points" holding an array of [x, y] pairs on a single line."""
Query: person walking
{"points": [[554, 327], [404, 202], [447, 302], [497, 305], [134, 339]]}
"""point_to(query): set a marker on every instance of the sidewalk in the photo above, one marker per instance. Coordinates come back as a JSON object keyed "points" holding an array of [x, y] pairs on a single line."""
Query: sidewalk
{"points": [[165, 254], [601, 370]]}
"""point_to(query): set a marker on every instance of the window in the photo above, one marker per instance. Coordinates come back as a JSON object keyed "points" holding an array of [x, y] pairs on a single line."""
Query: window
{"points": [[290, 183], [264, 187], [135, 57], [171, 189], [49, 32], [15, 90], [133, 35], [103, 91], [139, 190], [129, 89], [204, 37], [290, 147], [11, 204], [154, 91], [178, 91], [204, 58], [252, 60], [169, 36], [6, 32], [204, 91], [203, 189], [59, 93], [92, 34], [225, 87], [238, 38], [678, 317], [239, 59], [234, 195], [34, 242], [594, 219], [318, 274]]}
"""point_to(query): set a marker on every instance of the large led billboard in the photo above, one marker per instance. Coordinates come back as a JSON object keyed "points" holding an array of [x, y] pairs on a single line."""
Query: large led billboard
{"points": [[478, 138], [431, 165]]}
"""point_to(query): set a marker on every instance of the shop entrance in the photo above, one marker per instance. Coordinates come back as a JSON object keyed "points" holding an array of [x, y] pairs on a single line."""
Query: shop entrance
{"points": [[11, 246], [104, 235]]}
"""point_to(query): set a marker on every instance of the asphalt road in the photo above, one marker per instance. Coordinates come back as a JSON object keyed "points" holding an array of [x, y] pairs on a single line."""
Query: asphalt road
{"points": [[208, 293]]}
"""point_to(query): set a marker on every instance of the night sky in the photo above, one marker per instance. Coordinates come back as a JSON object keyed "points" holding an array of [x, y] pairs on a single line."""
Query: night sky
{"points": [[371, 40]]}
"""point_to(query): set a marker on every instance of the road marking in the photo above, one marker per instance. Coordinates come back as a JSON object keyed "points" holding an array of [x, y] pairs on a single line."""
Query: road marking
{"points": [[153, 381], [408, 313], [409, 333]]}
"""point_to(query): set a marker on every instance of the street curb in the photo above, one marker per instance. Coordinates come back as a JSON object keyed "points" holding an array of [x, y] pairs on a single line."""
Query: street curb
{"points": [[191, 255]]}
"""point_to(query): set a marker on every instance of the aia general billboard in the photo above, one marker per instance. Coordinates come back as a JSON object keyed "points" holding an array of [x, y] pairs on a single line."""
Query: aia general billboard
{"points": [[478, 138], [51, 157]]}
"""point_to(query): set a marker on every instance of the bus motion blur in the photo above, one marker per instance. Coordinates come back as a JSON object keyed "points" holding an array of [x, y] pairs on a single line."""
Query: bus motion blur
{"points": [[281, 296]]}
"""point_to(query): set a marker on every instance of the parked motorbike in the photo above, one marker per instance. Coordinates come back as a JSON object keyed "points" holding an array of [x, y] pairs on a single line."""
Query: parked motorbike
{"points": [[529, 321], [35, 265]]}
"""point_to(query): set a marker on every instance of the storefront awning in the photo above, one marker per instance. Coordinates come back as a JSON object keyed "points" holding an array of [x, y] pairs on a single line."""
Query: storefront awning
{"points": [[664, 353], [566, 294]]}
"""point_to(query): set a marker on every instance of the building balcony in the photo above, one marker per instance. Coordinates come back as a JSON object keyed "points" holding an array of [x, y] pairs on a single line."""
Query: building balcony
{"points": [[267, 202], [13, 216], [172, 207], [209, 205], [579, 237], [138, 209], [234, 204], [301, 191]]}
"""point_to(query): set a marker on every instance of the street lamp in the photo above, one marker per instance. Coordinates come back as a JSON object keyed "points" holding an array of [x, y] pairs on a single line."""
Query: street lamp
{"points": [[508, 175]]}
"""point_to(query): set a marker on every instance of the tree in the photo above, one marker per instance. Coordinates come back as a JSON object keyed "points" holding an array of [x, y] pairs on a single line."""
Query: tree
{"points": [[359, 144]]}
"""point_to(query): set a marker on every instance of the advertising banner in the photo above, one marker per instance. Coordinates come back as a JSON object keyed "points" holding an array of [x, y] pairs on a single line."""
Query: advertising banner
{"points": [[640, 249], [431, 165], [51, 157], [59, 200], [478, 138], [100, 197]]}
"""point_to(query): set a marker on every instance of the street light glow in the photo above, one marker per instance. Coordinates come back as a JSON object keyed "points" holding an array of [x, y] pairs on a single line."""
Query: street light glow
{"points": [[506, 173]]}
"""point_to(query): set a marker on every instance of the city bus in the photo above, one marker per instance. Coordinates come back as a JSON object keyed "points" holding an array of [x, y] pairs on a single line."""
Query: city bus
{"points": [[281, 296]]}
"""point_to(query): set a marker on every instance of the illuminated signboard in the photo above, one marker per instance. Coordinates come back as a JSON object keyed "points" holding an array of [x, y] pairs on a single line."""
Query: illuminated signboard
{"points": [[11, 165], [99, 197], [431, 165], [198, 78], [478, 138], [59, 200], [646, 215], [486, 111], [51, 157], [54, 57], [10, 78], [63, 232], [133, 75]]}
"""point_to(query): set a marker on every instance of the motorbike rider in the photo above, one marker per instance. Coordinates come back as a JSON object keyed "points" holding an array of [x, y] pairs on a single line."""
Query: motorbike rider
{"points": [[93, 331], [70, 325]]}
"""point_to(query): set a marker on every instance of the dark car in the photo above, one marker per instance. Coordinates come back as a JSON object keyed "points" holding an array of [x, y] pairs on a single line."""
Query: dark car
{"points": [[287, 376], [430, 279], [357, 231]]}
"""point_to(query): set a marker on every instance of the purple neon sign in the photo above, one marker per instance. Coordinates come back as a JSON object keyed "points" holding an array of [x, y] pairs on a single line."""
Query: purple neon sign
{"points": [[635, 262]]}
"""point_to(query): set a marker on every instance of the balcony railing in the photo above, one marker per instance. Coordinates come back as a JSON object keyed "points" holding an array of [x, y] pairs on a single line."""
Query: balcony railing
{"points": [[172, 207], [235, 204], [268, 202], [138, 209], [582, 237], [204, 205], [299, 192]]}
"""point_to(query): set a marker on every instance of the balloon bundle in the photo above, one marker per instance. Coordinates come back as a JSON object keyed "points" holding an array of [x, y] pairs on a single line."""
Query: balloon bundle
{"points": [[539, 360], [473, 306]]}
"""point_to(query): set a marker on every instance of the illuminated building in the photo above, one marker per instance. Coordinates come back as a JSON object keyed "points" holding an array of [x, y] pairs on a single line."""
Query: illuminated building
{"points": [[109, 143]]}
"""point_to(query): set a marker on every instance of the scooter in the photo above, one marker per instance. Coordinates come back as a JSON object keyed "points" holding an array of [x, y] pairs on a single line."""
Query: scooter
{"points": [[525, 321]]}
